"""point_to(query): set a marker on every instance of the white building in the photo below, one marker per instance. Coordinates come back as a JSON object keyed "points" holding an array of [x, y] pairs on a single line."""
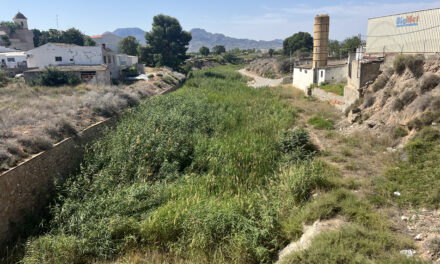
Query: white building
{"points": [[110, 41], [12, 59], [58, 54], [334, 72], [117, 62], [413, 32]]}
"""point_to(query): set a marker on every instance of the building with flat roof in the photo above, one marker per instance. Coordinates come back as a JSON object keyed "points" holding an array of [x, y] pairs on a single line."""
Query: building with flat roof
{"points": [[412, 32]]}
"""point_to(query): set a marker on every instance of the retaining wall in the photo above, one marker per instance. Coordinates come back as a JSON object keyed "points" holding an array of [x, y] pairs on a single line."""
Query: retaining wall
{"points": [[332, 98], [27, 188]]}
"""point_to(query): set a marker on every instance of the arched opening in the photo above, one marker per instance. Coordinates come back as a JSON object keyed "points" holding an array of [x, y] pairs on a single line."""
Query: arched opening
{"points": [[22, 24]]}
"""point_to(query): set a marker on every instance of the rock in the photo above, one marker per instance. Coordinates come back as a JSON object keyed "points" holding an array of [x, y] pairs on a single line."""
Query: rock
{"points": [[409, 253], [404, 218], [397, 194], [419, 237], [391, 150], [354, 116]]}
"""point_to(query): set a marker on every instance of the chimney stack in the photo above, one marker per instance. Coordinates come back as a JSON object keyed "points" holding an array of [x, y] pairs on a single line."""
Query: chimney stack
{"points": [[320, 41]]}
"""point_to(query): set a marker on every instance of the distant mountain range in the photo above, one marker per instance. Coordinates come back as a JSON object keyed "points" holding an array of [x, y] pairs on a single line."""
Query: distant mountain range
{"points": [[203, 38]]}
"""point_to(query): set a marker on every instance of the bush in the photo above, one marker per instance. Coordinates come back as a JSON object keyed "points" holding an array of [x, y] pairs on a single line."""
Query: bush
{"points": [[295, 144], [380, 83], [150, 76], [231, 58], [319, 122], [429, 82], [130, 72], [369, 100], [399, 64], [35, 144], [410, 62], [428, 134], [399, 132], [4, 80], [53, 77], [169, 80], [404, 100]]}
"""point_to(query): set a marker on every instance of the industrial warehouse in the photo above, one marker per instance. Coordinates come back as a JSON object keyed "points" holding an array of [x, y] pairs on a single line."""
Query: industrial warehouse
{"points": [[413, 32]]}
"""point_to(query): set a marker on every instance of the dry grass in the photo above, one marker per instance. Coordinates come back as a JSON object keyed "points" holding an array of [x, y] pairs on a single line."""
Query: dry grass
{"points": [[33, 118]]}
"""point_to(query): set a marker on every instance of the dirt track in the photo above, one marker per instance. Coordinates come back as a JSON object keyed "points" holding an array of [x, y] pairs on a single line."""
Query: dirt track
{"points": [[259, 81]]}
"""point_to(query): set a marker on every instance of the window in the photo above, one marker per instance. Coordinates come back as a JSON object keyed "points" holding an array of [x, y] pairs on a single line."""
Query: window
{"points": [[105, 60], [11, 59], [71, 59], [322, 74], [58, 59], [300, 70], [305, 71], [109, 59]]}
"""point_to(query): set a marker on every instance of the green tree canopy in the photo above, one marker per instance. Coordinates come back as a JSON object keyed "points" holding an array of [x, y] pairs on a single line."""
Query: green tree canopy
{"points": [[301, 41], [167, 42], [70, 36], [350, 45], [218, 49], [129, 46], [334, 48], [204, 51]]}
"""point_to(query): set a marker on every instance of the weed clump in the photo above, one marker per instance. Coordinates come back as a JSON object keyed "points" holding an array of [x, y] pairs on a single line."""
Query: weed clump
{"points": [[399, 132], [319, 122], [429, 82], [296, 145], [53, 77], [413, 63], [380, 83]]}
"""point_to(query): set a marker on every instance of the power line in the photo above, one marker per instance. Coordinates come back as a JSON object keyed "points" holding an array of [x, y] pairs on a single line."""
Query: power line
{"points": [[405, 33]]}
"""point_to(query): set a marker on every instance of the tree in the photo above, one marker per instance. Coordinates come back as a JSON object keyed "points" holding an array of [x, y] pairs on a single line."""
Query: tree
{"points": [[334, 48], [129, 46], [167, 42], [271, 52], [349, 45], [204, 51], [73, 36], [301, 41], [219, 49], [70, 36]]}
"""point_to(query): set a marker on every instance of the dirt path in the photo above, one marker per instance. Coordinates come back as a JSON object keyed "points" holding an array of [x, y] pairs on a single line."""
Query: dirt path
{"points": [[259, 81]]}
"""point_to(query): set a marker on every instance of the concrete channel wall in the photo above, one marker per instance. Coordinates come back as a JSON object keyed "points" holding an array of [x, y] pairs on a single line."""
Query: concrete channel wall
{"points": [[332, 98], [27, 188]]}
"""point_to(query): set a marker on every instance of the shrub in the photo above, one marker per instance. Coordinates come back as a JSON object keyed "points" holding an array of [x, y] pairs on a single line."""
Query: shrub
{"points": [[169, 80], [404, 100], [319, 122], [415, 64], [53, 77], [380, 83], [429, 82], [369, 100], [428, 134], [399, 64], [130, 72], [4, 80], [150, 76], [399, 132], [231, 58], [35, 144], [158, 84], [296, 145]]}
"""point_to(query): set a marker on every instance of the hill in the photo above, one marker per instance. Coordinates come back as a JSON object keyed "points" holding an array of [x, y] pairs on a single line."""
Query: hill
{"points": [[203, 38], [138, 33]]}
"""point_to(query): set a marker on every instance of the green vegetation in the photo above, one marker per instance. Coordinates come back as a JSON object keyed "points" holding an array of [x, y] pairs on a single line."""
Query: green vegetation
{"points": [[410, 62], [218, 49], [12, 26], [333, 88], [167, 43], [416, 176], [54, 77], [319, 122], [399, 132], [4, 80], [130, 72], [129, 46], [301, 41], [204, 51], [70, 36]]}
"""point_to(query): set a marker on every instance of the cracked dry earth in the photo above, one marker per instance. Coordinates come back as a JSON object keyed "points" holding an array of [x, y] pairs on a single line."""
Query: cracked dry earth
{"points": [[360, 155]]}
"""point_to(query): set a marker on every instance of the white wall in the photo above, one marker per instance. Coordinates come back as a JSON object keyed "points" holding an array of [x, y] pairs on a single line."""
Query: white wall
{"points": [[45, 55], [335, 74], [11, 59], [302, 78], [111, 41]]}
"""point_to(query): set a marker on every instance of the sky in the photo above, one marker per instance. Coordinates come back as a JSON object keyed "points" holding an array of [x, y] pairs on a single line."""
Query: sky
{"points": [[256, 19]]}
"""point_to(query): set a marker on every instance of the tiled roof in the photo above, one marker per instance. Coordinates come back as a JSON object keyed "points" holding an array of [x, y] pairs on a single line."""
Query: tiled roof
{"points": [[96, 36]]}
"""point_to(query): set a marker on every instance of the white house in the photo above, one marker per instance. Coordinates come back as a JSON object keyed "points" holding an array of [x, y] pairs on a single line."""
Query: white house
{"points": [[58, 54], [110, 41], [12, 59]]}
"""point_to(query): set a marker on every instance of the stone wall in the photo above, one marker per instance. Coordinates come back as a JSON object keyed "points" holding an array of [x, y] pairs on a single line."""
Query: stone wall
{"points": [[27, 188]]}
